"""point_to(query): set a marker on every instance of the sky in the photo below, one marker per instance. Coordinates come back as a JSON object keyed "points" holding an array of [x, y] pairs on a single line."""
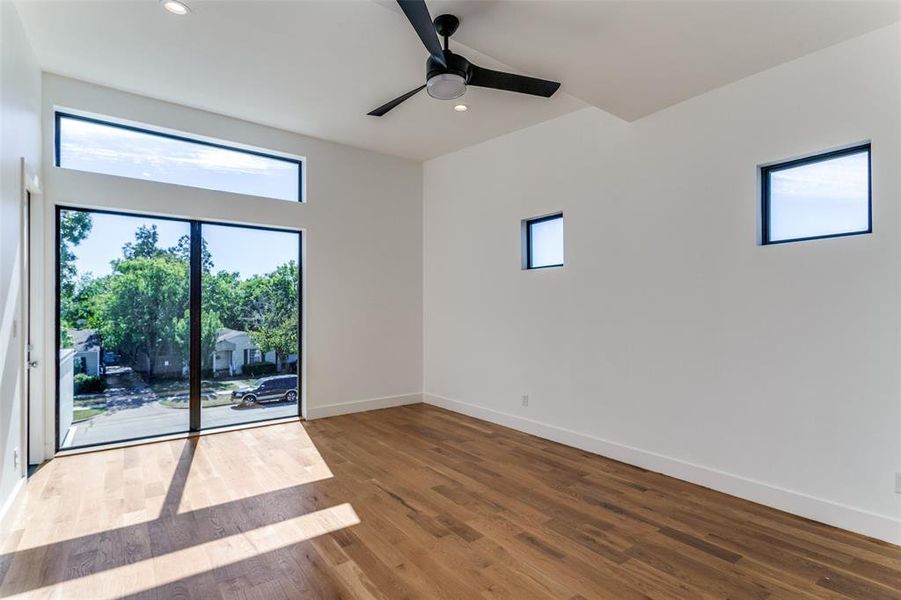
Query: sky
{"points": [[547, 243], [247, 251], [820, 198], [98, 148]]}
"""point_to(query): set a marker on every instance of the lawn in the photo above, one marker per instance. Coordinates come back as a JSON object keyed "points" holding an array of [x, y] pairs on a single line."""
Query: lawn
{"points": [[89, 399], [207, 402], [164, 387], [82, 414], [171, 394]]}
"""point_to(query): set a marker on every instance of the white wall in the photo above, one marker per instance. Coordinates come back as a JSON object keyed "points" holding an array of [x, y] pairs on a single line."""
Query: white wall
{"points": [[671, 339], [20, 99], [362, 225]]}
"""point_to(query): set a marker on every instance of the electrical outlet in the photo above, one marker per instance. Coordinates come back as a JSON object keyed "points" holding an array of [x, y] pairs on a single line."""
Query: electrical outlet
{"points": [[525, 400], [898, 483]]}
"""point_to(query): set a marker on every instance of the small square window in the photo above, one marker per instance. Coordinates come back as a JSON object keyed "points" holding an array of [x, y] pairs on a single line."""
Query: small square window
{"points": [[543, 245], [821, 196]]}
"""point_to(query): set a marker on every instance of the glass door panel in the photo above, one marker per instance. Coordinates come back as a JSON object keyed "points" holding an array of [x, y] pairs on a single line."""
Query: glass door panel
{"points": [[249, 325], [123, 285]]}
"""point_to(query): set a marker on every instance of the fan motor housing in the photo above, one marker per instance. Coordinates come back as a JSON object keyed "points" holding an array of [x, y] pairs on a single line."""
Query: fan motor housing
{"points": [[456, 64]]}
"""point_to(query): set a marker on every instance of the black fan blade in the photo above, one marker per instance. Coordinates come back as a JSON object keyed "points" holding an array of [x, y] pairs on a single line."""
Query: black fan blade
{"points": [[512, 83], [418, 14], [386, 107]]}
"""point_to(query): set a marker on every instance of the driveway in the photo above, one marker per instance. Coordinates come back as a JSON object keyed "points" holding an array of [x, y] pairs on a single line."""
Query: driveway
{"points": [[151, 418]]}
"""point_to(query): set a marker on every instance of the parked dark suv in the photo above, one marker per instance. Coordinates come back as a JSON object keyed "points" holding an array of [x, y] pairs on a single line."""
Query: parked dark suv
{"points": [[278, 387]]}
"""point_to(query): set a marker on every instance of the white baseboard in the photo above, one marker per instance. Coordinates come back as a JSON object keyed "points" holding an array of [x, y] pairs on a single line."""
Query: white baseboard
{"points": [[344, 408], [6, 512], [825, 511]]}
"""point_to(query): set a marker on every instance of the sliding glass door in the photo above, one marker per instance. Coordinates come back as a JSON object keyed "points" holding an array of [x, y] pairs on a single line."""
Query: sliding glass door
{"points": [[168, 325]]}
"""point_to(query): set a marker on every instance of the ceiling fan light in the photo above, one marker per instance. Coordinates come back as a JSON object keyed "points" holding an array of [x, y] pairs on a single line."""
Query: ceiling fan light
{"points": [[446, 86]]}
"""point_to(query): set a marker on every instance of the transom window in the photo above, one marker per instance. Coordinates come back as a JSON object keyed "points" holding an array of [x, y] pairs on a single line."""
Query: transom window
{"points": [[88, 144], [827, 195]]}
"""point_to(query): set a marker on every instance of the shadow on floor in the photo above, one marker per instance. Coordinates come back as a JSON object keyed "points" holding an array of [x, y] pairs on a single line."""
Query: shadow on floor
{"points": [[172, 531]]}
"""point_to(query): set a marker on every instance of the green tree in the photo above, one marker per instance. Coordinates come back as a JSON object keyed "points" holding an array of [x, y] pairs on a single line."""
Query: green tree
{"points": [[140, 309], [209, 332], [145, 244], [221, 294], [78, 309], [74, 227], [269, 309], [182, 250]]}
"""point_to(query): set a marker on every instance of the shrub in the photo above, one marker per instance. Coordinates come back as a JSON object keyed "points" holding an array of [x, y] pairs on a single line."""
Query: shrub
{"points": [[88, 384], [257, 369]]}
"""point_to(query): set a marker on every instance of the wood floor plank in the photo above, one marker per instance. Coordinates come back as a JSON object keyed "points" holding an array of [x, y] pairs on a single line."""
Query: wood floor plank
{"points": [[410, 502]]}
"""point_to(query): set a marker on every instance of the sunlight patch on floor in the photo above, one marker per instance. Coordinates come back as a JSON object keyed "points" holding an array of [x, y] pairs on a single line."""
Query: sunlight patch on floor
{"points": [[194, 560], [220, 459], [121, 488]]}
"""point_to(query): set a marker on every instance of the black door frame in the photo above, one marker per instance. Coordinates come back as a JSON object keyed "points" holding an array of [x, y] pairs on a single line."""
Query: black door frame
{"points": [[195, 307], [26, 327]]}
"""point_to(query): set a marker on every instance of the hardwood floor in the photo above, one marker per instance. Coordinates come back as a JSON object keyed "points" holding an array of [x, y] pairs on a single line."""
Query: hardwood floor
{"points": [[409, 502]]}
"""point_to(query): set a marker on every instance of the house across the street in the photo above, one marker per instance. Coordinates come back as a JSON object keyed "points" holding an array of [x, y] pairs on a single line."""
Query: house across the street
{"points": [[235, 349], [88, 351]]}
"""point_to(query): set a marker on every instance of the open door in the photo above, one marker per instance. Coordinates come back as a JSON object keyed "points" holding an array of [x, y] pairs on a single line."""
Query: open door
{"points": [[30, 193]]}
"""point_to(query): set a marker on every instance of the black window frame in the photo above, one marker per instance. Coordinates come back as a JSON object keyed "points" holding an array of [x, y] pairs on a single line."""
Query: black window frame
{"points": [[765, 200], [195, 307], [528, 242], [61, 114]]}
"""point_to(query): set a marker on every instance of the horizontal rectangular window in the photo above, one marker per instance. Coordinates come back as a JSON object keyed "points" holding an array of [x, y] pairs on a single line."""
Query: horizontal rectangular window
{"points": [[86, 144], [544, 242], [827, 195]]}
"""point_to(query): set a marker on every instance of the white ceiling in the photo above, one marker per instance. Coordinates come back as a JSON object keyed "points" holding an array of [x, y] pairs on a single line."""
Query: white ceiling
{"points": [[633, 58], [317, 67]]}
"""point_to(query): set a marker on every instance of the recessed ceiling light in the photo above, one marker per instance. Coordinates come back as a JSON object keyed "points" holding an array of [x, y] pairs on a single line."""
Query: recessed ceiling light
{"points": [[176, 7], [461, 108]]}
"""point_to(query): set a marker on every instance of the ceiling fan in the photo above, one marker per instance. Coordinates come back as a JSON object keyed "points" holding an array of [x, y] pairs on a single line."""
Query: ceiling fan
{"points": [[448, 74]]}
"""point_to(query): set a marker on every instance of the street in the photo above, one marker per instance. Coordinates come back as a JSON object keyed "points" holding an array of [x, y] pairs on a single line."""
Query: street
{"points": [[151, 418]]}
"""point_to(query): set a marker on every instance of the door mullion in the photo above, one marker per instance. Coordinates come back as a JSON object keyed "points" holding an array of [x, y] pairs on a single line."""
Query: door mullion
{"points": [[195, 358]]}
